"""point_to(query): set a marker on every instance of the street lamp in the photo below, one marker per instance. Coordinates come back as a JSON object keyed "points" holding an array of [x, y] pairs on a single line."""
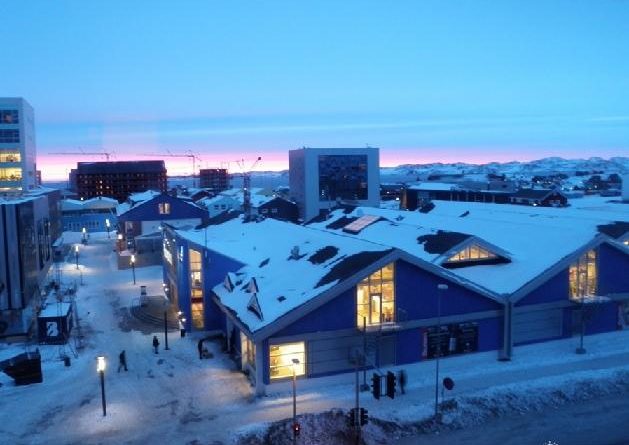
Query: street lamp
{"points": [[443, 288], [581, 349], [107, 225], [133, 267], [76, 255], [295, 424], [84, 231], [100, 367]]}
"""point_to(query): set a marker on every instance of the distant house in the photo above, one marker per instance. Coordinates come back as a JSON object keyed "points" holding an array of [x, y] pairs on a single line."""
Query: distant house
{"points": [[539, 197], [279, 208], [140, 224]]}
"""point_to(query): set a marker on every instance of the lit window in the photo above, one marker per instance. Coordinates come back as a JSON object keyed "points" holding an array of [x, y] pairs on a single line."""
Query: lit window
{"points": [[164, 208], [281, 360], [248, 351], [582, 276], [196, 289], [472, 253], [375, 298]]}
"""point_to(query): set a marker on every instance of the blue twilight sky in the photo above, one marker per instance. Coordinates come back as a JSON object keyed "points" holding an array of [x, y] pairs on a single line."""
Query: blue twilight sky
{"points": [[422, 80]]}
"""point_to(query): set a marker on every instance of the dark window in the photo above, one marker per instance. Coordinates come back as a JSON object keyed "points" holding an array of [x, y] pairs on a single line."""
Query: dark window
{"points": [[11, 136], [342, 177], [9, 117]]}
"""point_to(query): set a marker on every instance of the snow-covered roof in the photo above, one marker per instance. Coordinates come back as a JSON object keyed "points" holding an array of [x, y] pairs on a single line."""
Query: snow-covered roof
{"points": [[433, 186], [89, 204], [274, 254], [136, 198], [533, 239]]}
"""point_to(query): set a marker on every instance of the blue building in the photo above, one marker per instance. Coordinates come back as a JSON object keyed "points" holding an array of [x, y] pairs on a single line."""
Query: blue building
{"points": [[464, 277], [95, 215]]}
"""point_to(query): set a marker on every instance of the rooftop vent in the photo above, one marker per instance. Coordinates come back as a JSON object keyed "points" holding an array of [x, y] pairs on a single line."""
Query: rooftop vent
{"points": [[252, 286], [294, 253], [228, 283]]}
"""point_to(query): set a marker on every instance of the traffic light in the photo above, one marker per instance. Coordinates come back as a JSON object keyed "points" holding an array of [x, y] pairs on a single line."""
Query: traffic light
{"points": [[296, 429], [352, 417], [375, 386], [390, 384], [364, 416]]}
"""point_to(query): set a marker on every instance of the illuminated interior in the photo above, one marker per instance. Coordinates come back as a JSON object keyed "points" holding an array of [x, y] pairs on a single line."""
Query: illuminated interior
{"points": [[375, 298], [471, 253], [248, 350], [10, 156], [582, 276], [281, 360], [196, 289]]}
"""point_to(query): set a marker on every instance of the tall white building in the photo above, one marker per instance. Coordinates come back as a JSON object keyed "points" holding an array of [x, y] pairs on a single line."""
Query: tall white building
{"points": [[17, 145], [319, 178]]}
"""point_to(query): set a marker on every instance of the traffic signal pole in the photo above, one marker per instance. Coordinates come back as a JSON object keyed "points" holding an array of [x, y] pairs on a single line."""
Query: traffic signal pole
{"points": [[357, 411]]}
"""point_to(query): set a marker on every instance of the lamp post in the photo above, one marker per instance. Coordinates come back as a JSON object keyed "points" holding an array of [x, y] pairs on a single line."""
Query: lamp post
{"points": [[295, 426], [442, 288], [182, 324], [76, 255], [133, 267], [581, 349], [84, 239], [166, 348], [100, 367], [108, 227]]}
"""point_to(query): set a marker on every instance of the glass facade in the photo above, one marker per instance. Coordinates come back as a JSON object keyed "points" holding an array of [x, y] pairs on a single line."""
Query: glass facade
{"points": [[583, 276], [281, 360], [11, 155], [375, 298], [196, 289], [342, 177]]}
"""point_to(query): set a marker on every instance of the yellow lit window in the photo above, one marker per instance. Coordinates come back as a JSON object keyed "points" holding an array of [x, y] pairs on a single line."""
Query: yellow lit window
{"points": [[281, 360], [196, 288], [582, 276], [164, 208], [375, 298], [471, 253], [248, 351]]}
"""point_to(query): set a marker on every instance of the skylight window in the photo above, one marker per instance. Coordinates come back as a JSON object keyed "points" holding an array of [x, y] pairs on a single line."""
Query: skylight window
{"points": [[362, 222], [474, 254]]}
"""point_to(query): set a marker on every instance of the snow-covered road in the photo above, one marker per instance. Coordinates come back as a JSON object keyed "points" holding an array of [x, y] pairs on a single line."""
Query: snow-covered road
{"points": [[176, 398]]}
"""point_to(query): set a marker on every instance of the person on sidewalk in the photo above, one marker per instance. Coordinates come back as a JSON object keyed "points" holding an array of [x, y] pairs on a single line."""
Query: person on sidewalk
{"points": [[402, 380], [122, 361], [155, 344], [200, 348]]}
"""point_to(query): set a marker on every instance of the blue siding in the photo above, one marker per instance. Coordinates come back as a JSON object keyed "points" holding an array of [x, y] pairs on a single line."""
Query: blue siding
{"points": [[416, 293], [340, 313], [490, 334], [215, 267], [602, 318], [93, 222], [613, 270], [554, 289], [408, 347], [149, 210]]}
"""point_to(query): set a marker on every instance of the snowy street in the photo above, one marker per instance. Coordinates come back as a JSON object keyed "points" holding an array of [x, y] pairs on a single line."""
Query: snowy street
{"points": [[173, 397]]}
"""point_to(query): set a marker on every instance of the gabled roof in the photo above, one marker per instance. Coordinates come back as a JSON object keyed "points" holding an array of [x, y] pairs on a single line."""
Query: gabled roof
{"points": [[274, 253], [535, 193], [533, 239]]}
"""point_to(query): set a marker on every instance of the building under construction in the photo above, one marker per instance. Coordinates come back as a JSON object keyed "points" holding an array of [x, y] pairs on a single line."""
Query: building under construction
{"points": [[118, 179], [216, 179]]}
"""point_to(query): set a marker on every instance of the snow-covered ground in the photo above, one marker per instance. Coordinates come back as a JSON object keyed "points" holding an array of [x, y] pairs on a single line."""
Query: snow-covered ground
{"points": [[174, 397]]}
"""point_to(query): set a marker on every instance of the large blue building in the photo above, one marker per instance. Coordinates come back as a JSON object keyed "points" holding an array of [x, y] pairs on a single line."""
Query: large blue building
{"points": [[464, 277]]}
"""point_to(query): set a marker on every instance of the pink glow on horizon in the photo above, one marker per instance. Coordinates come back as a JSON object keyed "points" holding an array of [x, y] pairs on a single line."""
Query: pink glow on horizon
{"points": [[56, 167]]}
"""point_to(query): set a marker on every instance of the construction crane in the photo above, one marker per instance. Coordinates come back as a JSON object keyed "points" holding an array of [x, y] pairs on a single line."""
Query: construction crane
{"points": [[81, 152], [188, 154], [246, 185]]}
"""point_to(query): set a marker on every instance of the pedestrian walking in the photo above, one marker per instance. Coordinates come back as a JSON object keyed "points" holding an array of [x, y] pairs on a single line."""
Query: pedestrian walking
{"points": [[155, 344], [122, 361], [200, 348], [402, 379]]}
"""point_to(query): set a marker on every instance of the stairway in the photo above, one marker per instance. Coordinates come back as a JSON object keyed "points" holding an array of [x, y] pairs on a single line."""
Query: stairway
{"points": [[151, 312]]}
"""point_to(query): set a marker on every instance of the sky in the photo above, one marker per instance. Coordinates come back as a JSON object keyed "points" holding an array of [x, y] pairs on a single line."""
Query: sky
{"points": [[425, 81]]}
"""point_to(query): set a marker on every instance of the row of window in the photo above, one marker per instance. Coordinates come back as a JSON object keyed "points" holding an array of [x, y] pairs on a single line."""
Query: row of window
{"points": [[89, 225], [9, 117], [10, 156], [9, 136]]}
